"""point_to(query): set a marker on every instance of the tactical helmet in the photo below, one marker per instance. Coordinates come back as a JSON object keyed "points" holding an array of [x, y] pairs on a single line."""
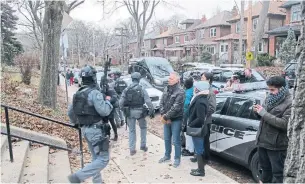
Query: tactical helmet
{"points": [[88, 74], [136, 75]]}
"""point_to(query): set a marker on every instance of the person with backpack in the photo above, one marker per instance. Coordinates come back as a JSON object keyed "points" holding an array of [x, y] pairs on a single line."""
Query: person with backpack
{"points": [[132, 101], [87, 111], [119, 87]]}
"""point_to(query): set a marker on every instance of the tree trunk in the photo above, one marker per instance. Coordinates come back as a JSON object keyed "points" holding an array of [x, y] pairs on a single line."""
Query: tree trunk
{"points": [[139, 43], [241, 31], [294, 171], [51, 36], [260, 28]]}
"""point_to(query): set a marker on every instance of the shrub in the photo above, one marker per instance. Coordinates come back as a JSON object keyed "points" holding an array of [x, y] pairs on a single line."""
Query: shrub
{"points": [[26, 62], [265, 60]]}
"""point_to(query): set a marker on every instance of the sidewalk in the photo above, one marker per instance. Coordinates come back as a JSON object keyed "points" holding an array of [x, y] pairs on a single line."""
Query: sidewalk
{"points": [[144, 167]]}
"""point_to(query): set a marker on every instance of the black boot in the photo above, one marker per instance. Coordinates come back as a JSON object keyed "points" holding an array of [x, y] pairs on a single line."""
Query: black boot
{"points": [[201, 163], [194, 159], [122, 122]]}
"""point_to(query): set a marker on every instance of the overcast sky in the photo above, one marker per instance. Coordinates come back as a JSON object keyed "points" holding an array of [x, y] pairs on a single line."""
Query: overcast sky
{"points": [[92, 10]]}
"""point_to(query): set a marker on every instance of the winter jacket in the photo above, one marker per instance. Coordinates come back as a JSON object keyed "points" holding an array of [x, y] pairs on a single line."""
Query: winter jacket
{"points": [[188, 97], [272, 133], [172, 103], [212, 106], [197, 112]]}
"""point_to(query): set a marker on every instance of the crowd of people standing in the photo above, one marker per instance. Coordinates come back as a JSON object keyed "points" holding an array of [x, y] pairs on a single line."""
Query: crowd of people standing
{"points": [[188, 111]]}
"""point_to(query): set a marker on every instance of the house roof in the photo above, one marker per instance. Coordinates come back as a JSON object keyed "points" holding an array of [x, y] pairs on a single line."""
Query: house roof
{"points": [[191, 28], [232, 36], [284, 29], [289, 3], [274, 8], [217, 20], [168, 33], [151, 35], [189, 21]]}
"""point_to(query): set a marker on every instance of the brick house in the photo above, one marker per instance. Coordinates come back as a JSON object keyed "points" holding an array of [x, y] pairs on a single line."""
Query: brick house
{"points": [[229, 44], [179, 50], [293, 20], [162, 40], [208, 31]]}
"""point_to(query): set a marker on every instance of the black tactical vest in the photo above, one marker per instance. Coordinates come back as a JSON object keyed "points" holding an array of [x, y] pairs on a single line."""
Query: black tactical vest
{"points": [[86, 115], [134, 97]]}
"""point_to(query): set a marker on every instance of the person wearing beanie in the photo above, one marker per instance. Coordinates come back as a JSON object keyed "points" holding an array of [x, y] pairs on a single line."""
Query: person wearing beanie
{"points": [[189, 90], [196, 123], [207, 76]]}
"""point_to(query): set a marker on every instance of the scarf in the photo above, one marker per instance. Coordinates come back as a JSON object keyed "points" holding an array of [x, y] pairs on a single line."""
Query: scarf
{"points": [[273, 100]]}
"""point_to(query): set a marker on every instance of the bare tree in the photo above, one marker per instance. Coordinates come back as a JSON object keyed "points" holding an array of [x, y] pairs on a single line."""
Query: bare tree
{"points": [[130, 26], [259, 32], [294, 171], [51, 29], [173, 21]]}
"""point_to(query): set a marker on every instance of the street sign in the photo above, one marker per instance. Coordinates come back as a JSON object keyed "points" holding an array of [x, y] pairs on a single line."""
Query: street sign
{"points": [[66, 21], [249, 56]]}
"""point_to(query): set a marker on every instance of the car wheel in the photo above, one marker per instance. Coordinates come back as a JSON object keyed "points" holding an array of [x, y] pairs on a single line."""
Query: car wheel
{"points": [[255, 167]]}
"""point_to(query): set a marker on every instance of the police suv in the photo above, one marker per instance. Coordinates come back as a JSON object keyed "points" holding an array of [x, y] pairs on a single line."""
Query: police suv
{"points": [[235, 124]]}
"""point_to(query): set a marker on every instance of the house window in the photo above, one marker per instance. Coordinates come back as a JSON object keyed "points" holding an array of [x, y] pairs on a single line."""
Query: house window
{"points": [[211, 49], [224, 48], [296, 13], [177, 39], [202, 33], [213, 32], [143, 44], [254, 23], [260, 47], [186, 38], [237, 27]]}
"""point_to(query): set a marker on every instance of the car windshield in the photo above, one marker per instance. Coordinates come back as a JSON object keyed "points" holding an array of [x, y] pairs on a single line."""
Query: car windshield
{"points": [[258, 76], [159, 67], [161, 70]]}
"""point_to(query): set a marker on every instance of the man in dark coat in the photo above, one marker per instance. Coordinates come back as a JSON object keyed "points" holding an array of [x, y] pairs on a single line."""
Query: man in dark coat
{"points": [[272, 140]]}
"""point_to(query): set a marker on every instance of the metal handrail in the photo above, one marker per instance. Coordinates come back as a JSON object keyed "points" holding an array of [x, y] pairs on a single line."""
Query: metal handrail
{"points": [[9, 136]]}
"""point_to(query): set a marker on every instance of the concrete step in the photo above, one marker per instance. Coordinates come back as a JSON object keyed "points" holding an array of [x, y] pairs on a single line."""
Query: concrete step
{"points": [[36, 166], [4, 143], [59, 167], [11, 172]]}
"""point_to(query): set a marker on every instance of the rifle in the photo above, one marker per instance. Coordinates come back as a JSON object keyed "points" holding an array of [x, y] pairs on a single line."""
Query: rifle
{"points": [[104, 82]]}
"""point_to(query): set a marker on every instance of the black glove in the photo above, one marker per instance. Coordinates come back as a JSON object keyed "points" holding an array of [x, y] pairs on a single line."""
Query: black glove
{"points": [[183, 128]]}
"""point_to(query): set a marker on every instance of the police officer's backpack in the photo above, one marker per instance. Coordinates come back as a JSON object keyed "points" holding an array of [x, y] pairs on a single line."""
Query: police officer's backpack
{"points": [[134, 97], [86, 115], [119, 86]]}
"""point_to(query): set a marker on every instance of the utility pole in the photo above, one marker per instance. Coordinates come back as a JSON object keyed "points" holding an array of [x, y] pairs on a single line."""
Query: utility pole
{"points": [[241, 31], [122, 34], [249, 32]]}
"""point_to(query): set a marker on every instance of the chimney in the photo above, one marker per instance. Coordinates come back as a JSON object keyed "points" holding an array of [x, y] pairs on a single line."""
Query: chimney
{"points": [[234, 11], [203, 19]]}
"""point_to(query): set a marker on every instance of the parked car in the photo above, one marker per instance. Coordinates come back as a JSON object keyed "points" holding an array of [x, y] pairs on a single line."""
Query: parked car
{"points": [[289, 72], [234, 128], [153, 93], [156, 70]]}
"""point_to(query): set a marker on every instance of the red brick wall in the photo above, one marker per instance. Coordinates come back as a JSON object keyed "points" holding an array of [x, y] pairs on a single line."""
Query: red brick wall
{"points": [[288, 16], [272, 45], [225, 31], [181, 39]]}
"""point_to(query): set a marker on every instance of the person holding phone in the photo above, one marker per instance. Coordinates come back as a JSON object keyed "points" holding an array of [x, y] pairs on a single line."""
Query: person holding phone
{"points": [[272, 140]]}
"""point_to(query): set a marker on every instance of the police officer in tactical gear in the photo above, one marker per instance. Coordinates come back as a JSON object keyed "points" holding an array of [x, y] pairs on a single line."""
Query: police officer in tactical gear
{"points": [[87, 111], [132, 102], [119, 86]]}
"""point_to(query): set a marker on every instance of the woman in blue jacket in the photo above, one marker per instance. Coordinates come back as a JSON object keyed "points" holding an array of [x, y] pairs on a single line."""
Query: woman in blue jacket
{"points": [[189, 91]]}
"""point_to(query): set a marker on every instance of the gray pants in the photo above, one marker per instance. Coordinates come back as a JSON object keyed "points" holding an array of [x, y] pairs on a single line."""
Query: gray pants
{"points": [[118, 115], [132, 132], [99, 160]]}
